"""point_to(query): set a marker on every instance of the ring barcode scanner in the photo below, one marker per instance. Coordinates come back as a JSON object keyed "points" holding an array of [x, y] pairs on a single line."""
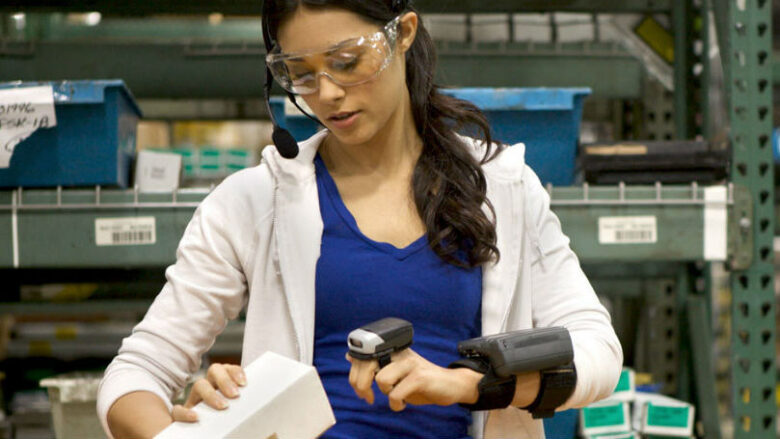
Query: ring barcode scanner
{"points": [[379, 339]]}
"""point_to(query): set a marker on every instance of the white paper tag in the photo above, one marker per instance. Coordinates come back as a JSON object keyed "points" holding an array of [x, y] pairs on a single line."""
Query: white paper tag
{"points": [[628, 230], [716, 223], [22, 112], [125, 231]]}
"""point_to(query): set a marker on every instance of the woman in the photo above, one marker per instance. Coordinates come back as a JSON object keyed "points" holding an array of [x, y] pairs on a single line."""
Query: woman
{"points": [[387, 212]]}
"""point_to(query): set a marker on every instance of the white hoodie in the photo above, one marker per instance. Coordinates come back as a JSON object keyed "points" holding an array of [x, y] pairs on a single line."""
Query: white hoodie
{"points": [[255, 241]]}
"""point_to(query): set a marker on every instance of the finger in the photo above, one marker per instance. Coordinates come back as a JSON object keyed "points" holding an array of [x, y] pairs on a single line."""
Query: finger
{"points": [[400, 393], [393, 373], [209, 394], [365, 377], [353, 370], [237, 374], [219, 377], [193, 398], [182, 414]]}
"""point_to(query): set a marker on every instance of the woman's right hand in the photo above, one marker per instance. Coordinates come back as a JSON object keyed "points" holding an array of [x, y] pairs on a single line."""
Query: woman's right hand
{"points": [[223, 377]]}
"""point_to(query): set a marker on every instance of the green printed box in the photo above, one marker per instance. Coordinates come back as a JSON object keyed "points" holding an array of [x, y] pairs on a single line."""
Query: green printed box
{"points": [[605, 417], [628, 435], [626, 386], [662, 415], [653, 436]]}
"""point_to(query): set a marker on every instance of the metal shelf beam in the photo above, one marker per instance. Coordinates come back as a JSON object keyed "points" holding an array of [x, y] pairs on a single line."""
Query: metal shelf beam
{"points": [[51, 229], [235, 70], [253, 7]]}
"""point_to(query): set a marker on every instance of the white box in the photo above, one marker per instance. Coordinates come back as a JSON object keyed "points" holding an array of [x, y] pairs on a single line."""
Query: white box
{"points": [[629, 435], [606, 416], [626, 386], [662, 415], [446, 27], [283, 399], [157, 171], [574, 28], [533, 27], [490, 27], [73, 397]]}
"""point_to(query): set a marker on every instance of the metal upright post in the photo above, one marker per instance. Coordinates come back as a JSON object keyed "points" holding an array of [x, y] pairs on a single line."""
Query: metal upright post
{"points": [[749, 86], [682, 73]]}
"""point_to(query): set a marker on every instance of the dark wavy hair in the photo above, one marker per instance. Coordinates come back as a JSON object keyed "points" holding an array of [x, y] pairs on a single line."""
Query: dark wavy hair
{"points": [[448, 183]]}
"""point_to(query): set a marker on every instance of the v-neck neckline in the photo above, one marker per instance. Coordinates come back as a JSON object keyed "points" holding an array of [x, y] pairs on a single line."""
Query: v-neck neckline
{"points": [[346, 216]]}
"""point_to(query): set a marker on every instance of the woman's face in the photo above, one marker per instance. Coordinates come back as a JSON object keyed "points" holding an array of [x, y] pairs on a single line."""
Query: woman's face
{"points": [[355, 114]]}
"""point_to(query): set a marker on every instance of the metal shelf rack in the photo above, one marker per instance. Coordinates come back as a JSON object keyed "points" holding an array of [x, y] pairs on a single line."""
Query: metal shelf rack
{"points": [[744, 29], [58, 228]]}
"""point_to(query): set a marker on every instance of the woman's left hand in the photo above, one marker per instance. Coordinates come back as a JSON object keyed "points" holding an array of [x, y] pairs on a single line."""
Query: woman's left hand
{"points": [[411, 379]]}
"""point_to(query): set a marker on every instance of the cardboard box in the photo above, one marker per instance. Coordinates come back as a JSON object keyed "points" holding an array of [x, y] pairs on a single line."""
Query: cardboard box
{"points": [[575, 27], [73, 397], [533, 27], [283, 399], [628, 435], [654, 436], [158, 171], [608, 416], [490, 27], [626, 386], [446, 27], [661, 415]]}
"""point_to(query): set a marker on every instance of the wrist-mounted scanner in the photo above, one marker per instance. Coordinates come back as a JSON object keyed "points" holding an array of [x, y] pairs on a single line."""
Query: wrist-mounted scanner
{"points": [[501, 357]]}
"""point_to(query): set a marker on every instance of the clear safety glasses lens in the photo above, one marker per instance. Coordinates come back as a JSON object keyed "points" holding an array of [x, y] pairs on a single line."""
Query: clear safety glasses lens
{"points": [[351, 62]]}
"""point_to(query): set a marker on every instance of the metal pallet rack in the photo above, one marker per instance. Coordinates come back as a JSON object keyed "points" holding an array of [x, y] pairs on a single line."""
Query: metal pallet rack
{"points": [[749, 84], [58, 228], [744, 30]]}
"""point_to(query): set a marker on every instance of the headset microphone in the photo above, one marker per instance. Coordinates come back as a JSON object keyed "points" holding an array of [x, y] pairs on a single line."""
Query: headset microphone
{"points": [[284, 141]]}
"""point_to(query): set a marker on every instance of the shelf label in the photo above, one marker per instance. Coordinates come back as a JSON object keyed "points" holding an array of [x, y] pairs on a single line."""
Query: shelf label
{"points": [[125, 231], [23, 110], [628, 230]]}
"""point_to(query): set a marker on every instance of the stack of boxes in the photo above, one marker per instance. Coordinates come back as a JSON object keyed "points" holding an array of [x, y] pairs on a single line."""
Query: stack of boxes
{"points": [[629, 414]]}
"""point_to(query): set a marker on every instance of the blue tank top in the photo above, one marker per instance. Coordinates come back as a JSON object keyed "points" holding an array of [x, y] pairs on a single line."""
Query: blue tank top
{"points": [[359, 280]]}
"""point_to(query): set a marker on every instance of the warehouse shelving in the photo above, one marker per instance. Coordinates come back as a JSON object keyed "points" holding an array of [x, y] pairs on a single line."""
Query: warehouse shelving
{"points": [[744, 33], [234, 68], [57, 228], [244, 7], [748, 81]]}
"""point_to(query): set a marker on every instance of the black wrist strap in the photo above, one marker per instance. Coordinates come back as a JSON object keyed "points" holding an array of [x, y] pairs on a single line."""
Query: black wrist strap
{"points": [[475, 364], [494, 392], [556, 386]]}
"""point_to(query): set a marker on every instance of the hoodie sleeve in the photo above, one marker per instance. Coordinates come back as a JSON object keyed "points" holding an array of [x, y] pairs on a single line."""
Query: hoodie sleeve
{"points": [[563, 296], [205, 288]]}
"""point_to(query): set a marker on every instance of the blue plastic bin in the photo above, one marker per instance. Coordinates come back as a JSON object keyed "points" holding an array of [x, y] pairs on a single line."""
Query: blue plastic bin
{"points": [[300, 126], [561, 426], [547, 120], [92, 144]]}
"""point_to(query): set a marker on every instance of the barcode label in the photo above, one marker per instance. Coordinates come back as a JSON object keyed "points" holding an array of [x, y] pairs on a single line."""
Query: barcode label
{"points": [[628, 230], [125, 231]]}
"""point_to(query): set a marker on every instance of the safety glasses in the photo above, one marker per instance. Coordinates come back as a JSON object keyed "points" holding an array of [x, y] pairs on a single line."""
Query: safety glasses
{"points": [[351, 62]]}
